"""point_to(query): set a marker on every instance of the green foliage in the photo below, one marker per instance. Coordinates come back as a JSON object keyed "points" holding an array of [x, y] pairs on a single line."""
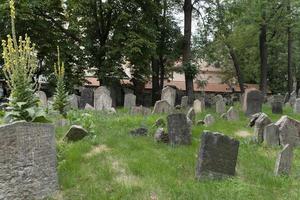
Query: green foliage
{"points": [[86, 120], [20, 64], [61, 95], [190, 69]]}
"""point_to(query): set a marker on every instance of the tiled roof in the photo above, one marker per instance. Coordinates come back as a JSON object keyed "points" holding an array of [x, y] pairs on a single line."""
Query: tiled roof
{"points": [[210, 87]]}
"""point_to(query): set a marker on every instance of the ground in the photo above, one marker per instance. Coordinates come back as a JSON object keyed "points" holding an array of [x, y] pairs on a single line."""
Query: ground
{"points": [[111, 164]]}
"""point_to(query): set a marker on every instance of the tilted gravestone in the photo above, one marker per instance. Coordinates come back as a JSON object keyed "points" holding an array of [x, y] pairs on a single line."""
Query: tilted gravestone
{"points": [[27, 161], [217, 156], [162, 106], [129, 100], [277, 104], [271, 135], [169, 94], [261, 122], [289, 131], [253, 101], [284, 161], [75, 133], [104, 102], [87, 97], [184, 101], [220, 107], [232, 114], [178, 129], [297, 106], [209, 120], [140, 110], [191, 115], [199, 106], [43, 98]]}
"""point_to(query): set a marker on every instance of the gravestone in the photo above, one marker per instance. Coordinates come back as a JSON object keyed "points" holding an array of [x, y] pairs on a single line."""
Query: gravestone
{"points": [[161, 136], [73, 101], [271, 135], [232, 114], [217, 156], [199, 106], [253, 101], [75, 133], [140, 110], [104, 102], [217, 98], [169, 94], [191, 115], [162, 106], [179, 129], [261, 122], [289, 131], [99, 91], [286, 98], [43, 98], [284, 161], [87, 97], [88, 107], [209, 120], [293, 98], [184, 101], [297, 106], [277, 104], [129, 100], [27, 161], [220, 107]]}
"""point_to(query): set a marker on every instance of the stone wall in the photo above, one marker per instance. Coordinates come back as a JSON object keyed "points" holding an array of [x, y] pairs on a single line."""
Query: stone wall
{"points": [[27, 161]]}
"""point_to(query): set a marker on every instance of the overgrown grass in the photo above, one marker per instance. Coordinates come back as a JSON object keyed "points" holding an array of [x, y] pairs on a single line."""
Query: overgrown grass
{"points": [[114, 165]]}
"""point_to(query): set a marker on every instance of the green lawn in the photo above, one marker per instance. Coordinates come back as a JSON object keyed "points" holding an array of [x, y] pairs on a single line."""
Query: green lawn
{"points": [[111, 164]]}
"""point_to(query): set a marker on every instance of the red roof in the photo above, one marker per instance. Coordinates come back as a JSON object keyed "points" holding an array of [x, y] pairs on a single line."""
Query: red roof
{"points": [[210, 87]]}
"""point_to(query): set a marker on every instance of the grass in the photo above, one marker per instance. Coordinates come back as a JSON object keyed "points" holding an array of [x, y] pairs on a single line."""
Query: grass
{"points": [[111, 164]]}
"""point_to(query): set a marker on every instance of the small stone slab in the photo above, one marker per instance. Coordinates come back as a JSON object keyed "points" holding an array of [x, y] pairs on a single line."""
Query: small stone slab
{"points": [[184, 101], [217, 156], [253, 101], [162, 106], [88, 107], [169, 94], [129, 100], [139, 132], [43, 98], [220, 106], [209, 120], [191, 115], [87, 97], [199, 106], [284, 161], [297, 106], [271, 135], [232, 114], [178, 129], [289, 131], [140, 110], [76, 133], [261, 122], [161, 136], [73, 101]]}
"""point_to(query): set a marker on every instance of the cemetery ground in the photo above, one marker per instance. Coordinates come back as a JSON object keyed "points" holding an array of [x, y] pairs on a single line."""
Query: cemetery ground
{"points": [[112, 164]]}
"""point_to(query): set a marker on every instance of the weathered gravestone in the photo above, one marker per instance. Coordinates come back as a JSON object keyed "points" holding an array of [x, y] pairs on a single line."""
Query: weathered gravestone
{"points": [[297, 106], [87, 97], [129, 100], [252, 102], [179, 129], [73, 101], [99, 91], [88, 107], [271, 135], [191, 115], [162, 106], [169, 94], [199, 106], [217, 98], [220, 107], [104, 102], [217, 156], [184, 101], [140, 110], [286, 98], [277, 104], [209, 120], [232, 114], [161, 136], [27, 161], [289, 131], [261, 122], [293, 98], [284, 161], [75, 133], [43, 98]]}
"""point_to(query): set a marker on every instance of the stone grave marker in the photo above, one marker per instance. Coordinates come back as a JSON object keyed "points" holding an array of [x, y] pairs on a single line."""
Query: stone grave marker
{"points": [[191, 115], [253, 101], [209, 120], [217, 156], [289, 131], [87, 97], [75, 133], [199, 106], [179, 129], [261, 122], [162, 106], [129, 100], [271, 135], [284, 161], [184, 101], [232, 114], [220, 107], [169, 94]]}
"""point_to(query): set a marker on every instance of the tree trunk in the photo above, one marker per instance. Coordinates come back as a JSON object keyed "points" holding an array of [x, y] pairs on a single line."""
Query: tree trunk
{"points": [[155, 80], [263, 55], [186, 57], [237, 68], [290, 42]]}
